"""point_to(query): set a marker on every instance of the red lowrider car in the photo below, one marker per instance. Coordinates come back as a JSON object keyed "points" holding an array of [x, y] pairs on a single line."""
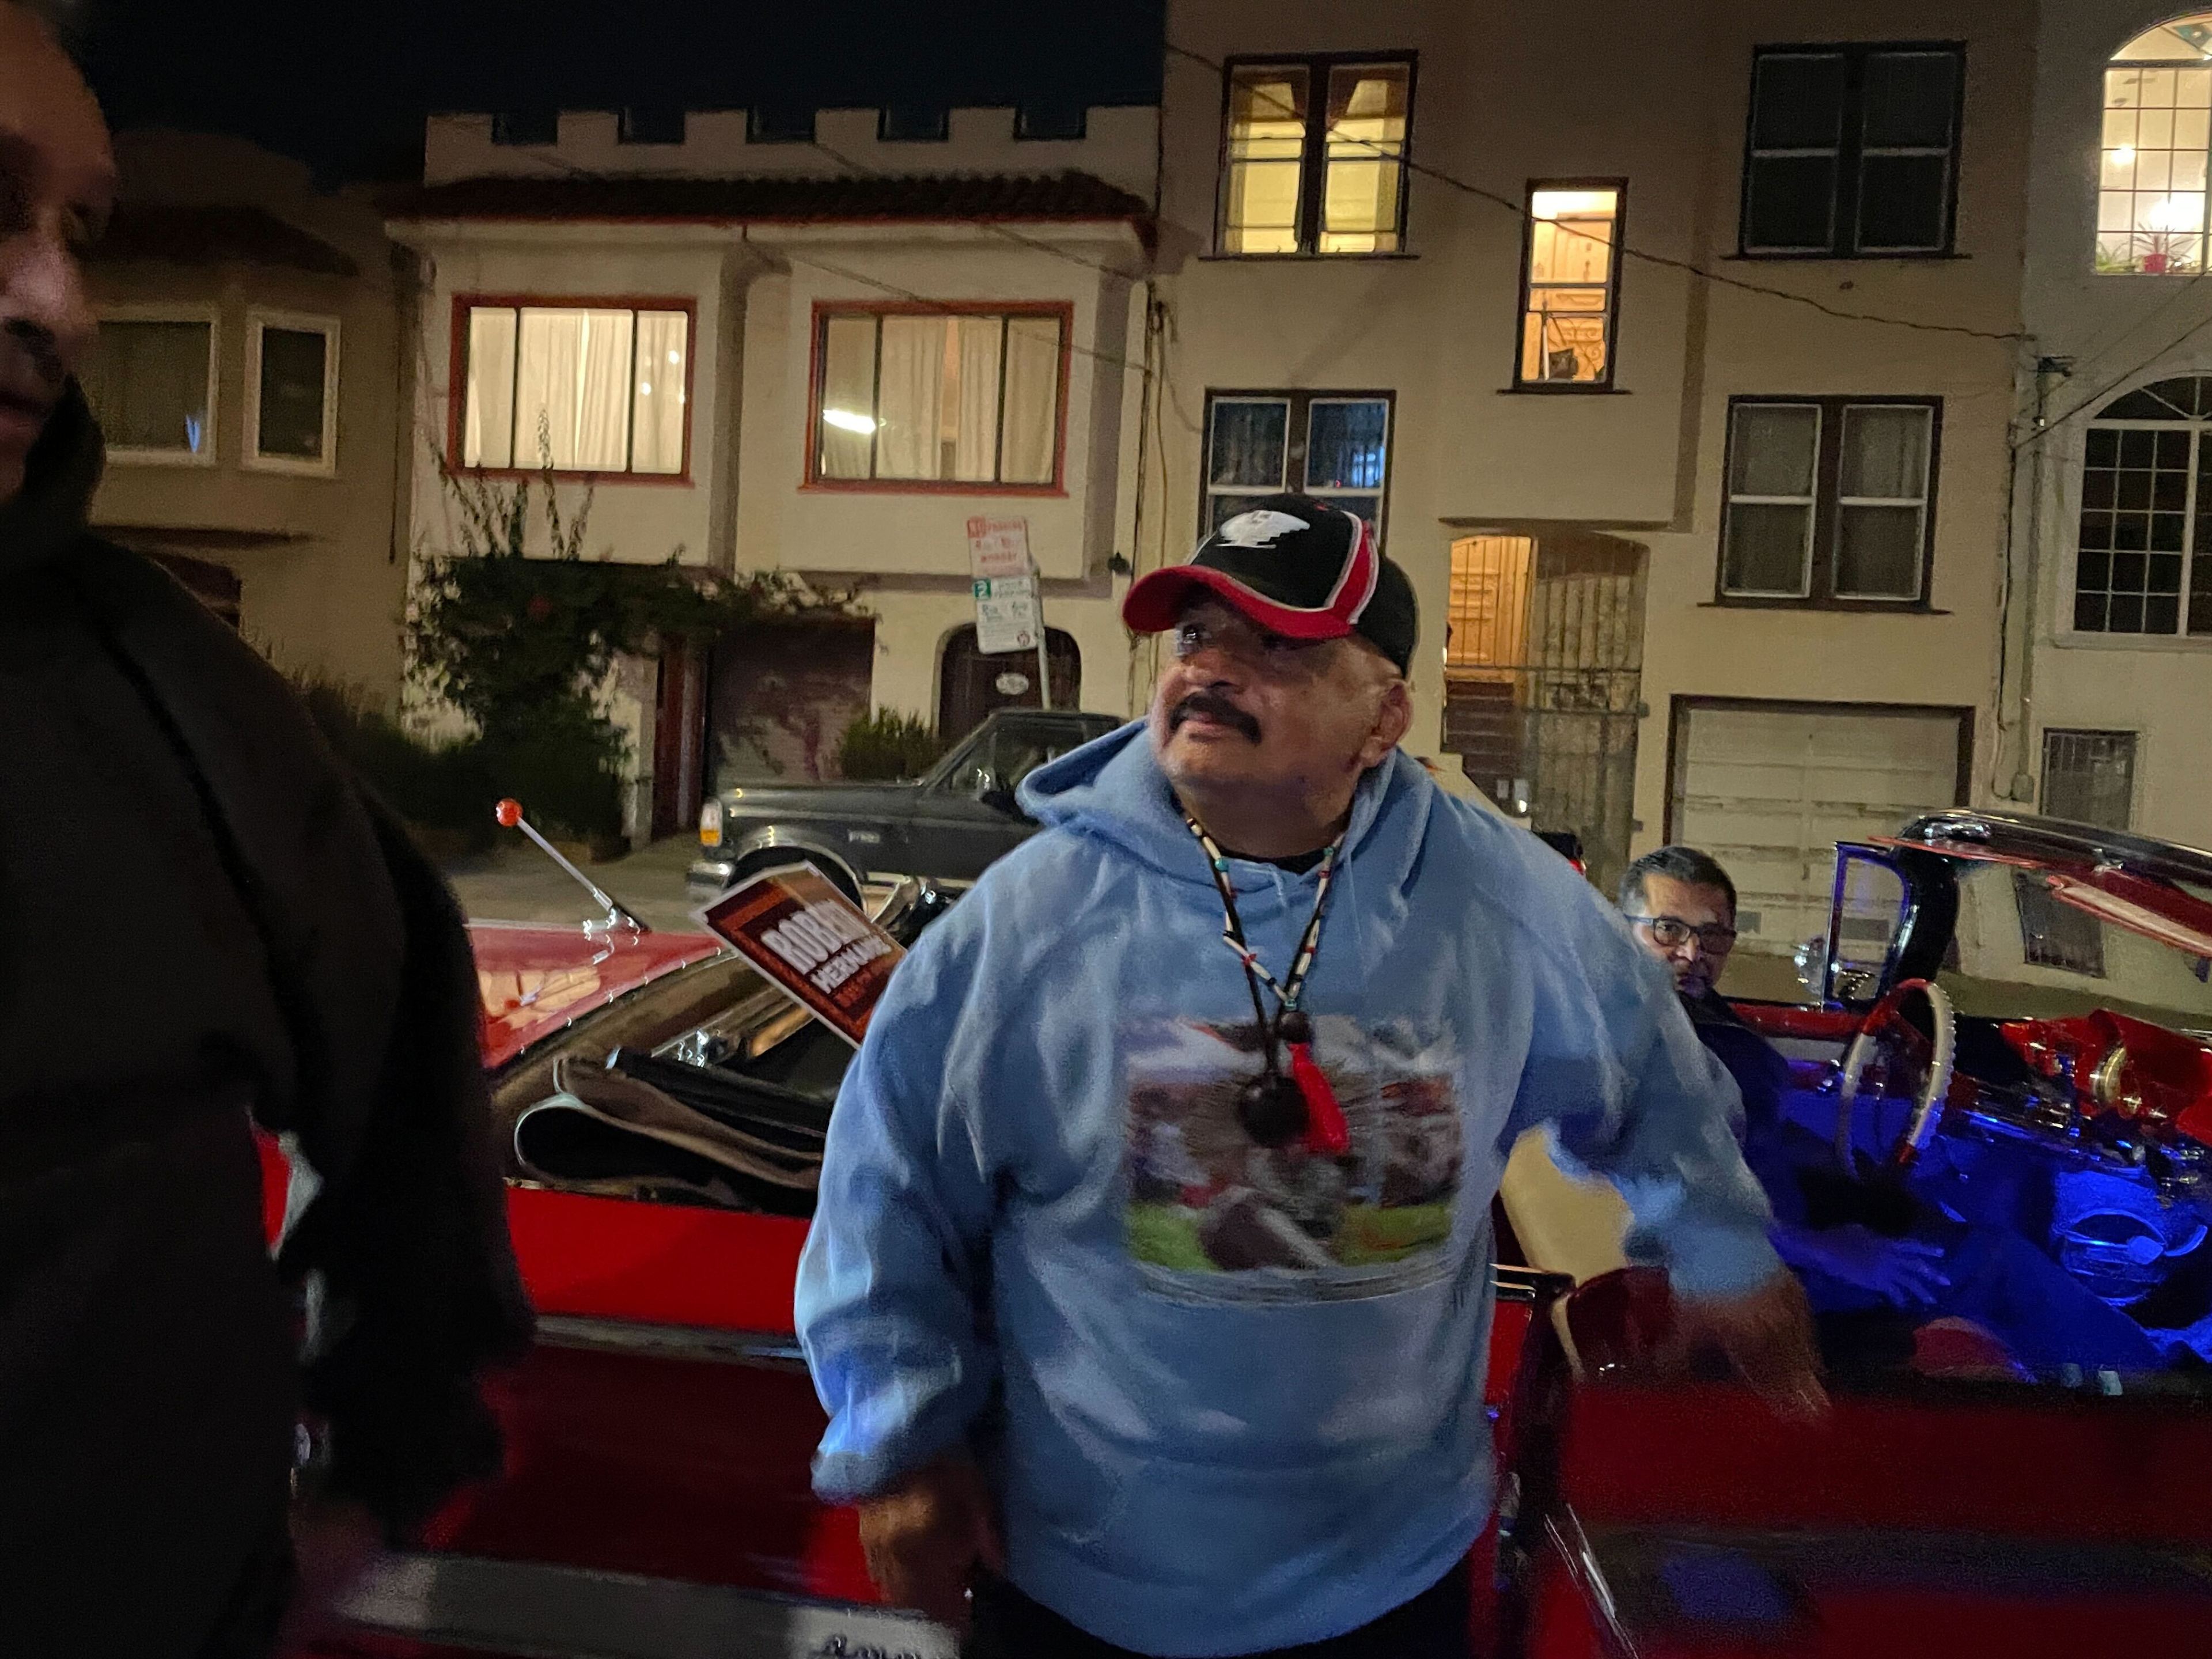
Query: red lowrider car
{"points": [[2008, 991]]}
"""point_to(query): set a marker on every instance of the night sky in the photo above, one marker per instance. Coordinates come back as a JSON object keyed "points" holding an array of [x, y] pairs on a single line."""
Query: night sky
{"points": [[344, 84]]}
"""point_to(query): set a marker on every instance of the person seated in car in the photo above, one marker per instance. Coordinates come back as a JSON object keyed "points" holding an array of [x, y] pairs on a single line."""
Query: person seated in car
{"points": [[1874, 1261]]}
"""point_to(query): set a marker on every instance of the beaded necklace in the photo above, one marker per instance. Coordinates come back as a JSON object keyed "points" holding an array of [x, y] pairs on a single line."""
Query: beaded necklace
{"points": [[1276, 1110]]}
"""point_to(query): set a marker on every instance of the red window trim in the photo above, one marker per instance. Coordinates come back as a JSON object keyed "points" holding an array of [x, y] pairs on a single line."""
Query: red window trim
{"points": [[824, 309], [458, 384]]}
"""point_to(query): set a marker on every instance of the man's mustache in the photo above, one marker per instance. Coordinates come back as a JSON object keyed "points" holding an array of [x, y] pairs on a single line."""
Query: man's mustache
{"points": [[1214, 708]]}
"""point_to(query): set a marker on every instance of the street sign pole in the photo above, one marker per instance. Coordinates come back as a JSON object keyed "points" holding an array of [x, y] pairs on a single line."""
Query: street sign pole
{"points": [[1009, 613], [1044, 657]]}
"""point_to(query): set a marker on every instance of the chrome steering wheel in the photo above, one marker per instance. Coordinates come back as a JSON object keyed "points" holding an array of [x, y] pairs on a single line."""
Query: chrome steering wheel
{"points": [[1897, 1058]]}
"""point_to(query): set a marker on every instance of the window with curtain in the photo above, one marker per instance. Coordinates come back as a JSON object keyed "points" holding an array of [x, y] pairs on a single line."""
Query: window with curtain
{"points": [[575, 388], [1829, 500], [1313, 158], [150, 381], [938, 399], [2157, 135], [1853, 150], [1569, 287], [1332, 444]]}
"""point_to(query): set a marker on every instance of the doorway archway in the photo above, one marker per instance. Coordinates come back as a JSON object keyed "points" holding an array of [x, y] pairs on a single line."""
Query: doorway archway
{"points": [[970, 685]]}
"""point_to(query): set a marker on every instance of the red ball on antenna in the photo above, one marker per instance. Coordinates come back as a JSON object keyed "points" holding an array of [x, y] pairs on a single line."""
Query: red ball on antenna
{"points": [[509, 813]]}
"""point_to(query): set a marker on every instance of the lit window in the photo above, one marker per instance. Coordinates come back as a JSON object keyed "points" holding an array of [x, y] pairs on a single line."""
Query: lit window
{"points": [[1828, 500], [1853, 150], [1335, 446], [1308, 174], [1572, 277], [291, 394], [151, 381], [2144, 557], [930, 398], [576, 389], [2157, 132]]}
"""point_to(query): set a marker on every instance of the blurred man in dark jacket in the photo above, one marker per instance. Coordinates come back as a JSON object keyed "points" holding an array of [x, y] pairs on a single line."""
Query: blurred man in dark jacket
{"points": [[203, 925]]}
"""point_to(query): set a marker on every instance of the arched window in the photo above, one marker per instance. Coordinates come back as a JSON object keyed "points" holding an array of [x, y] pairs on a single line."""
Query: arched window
{"points": [[2158, 131], [970, 685], [2144, 563]]}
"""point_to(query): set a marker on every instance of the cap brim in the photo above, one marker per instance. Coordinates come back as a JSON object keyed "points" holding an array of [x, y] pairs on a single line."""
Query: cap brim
{"points": [[1156, 603]]}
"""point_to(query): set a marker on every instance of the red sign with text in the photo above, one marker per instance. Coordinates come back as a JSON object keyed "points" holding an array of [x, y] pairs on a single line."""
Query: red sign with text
{"points": [[811, 942]]}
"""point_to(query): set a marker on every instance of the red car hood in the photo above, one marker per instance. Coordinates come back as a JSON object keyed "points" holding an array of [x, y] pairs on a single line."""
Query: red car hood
{"points": [[534, 980]]}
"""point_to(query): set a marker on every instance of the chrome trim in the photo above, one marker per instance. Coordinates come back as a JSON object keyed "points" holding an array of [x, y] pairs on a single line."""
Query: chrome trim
{"points": [[1563, 1529], [774, 838], [549, 1612], [776, 1350]]}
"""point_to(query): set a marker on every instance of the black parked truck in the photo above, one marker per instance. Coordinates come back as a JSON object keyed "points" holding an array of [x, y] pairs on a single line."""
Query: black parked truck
{"points": [[945, 827]]}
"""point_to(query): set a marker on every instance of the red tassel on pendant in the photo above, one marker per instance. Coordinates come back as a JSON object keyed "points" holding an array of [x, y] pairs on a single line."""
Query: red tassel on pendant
{"points": [[1326, 1133]]}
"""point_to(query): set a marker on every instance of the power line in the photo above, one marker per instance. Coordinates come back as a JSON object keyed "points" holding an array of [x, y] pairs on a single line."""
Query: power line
{"points": [[2089, 402], [1520, 210]]}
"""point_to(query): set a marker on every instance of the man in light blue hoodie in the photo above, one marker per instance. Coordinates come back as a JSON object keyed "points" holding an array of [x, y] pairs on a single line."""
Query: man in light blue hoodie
{"points": [[1148, 1291]]}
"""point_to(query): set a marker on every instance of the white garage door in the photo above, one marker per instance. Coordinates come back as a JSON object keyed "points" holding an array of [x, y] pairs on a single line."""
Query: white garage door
{"points": [[1769, 789]]}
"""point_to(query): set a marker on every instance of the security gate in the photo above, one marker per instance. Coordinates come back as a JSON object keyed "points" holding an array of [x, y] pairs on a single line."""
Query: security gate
{"points": [[1544, 674]]}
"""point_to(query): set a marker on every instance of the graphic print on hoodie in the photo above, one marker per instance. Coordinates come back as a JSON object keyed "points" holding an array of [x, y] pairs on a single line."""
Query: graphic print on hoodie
{"points": [[1214, 1217]]}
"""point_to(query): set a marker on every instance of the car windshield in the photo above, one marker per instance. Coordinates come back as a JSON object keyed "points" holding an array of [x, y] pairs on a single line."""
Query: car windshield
{"points": [[2041, 944], [1000, 757]]}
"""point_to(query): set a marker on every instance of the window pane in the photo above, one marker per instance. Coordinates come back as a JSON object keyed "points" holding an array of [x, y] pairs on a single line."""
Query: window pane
{"points": [[971, 396], [910, 399], [1261, 197], [1773, 449], [1791, 205], [147, 382], [293, 364], [1248, 442], [1369, 507], [572, 389], [1768, 549], [488, 421], [2088, 777], [1031, 445], [1366, 137], [1909, 99], [1345, 444], [1797, 101], [1878, 552], [847, 438], [1902, 200], [657, 423], [1885, 452], [1571, 236]]}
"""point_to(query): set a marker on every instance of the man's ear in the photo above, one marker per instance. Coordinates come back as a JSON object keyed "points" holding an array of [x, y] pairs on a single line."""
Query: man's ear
{"points": [[1393, 718]]}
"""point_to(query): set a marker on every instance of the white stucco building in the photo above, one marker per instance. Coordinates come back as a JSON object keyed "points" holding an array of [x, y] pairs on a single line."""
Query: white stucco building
{"points": [[1679, 384], [2110, 654]]}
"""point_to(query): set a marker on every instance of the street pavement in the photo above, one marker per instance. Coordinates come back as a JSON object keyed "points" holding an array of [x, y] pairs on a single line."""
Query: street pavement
{"points": [[515, 882]]}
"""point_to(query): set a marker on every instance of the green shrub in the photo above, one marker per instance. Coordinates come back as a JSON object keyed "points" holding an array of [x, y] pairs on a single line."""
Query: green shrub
{"points": [[565, 769], [887, 745]]}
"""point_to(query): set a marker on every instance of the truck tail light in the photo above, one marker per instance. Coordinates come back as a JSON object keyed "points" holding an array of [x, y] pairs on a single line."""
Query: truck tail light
{"points": [[710, 822]]}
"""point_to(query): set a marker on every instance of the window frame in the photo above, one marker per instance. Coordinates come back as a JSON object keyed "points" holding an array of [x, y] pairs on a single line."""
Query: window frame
{"points": [[2135, 747], [211, 452], [457, 386], [1570, 388], [817, 345], [1312, 156], [1301, 400], [2199, 432], [1827, 504], [258, 322], [1851, 151]]}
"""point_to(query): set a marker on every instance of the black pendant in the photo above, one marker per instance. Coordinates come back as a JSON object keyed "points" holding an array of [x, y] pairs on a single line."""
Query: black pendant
{"points": [[1294, 1026], [1272, 1109]]}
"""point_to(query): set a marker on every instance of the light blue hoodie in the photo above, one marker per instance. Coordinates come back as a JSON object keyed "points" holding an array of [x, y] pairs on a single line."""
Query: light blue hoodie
{"points": [[1233, 1399]]}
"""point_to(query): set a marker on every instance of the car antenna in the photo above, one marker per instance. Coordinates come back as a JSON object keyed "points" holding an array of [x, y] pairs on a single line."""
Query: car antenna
{"points": [[509, 814]]}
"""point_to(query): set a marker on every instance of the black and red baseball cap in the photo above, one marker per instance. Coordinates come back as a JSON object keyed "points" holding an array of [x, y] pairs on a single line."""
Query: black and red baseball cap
{"points": [[1294, 566]]}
